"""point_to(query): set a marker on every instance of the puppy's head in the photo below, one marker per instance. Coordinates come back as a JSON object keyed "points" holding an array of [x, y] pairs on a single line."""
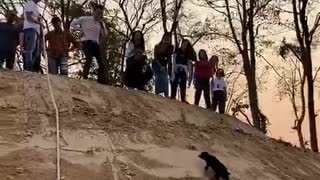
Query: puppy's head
{"points": [[204, 155]]}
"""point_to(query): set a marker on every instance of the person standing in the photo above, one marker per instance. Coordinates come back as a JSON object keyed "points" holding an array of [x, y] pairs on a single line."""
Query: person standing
{"points": [[9, 38], [162, 57], [92, 27], [219, 91], [202, 75], [137, 73], [31, 29], [58, 49], [181, 70]]}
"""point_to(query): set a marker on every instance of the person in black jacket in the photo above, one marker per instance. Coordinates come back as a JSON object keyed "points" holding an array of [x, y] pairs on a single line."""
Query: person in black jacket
{"points": [[138, 72], [9, 38], [182, 69]]}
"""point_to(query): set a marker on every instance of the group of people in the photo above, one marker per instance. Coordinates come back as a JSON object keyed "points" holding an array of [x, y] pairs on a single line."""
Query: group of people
{"points": [[27, 33], [177, 66]]}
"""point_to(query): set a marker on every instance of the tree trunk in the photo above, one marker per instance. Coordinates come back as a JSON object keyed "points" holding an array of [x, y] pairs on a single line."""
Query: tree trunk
{"points": [[300, 135], [252, 90], [312, 115], [253, 99]]}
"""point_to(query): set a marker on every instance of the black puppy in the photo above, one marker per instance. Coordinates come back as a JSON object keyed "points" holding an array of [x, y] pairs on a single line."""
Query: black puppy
{"points": [[219, 169]]}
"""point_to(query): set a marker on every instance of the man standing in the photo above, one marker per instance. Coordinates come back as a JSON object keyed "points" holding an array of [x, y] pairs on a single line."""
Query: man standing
{"points": [[59, 42], [92, 27], [9, 36], [31, 29]]}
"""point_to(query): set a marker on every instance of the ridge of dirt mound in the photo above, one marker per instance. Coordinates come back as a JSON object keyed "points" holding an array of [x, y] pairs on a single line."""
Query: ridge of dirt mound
{"points": [[114, 134]]}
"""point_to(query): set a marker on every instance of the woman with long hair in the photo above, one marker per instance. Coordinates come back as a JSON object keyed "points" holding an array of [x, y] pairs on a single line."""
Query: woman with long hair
{"points": [[137, 73], [202, 75], [162, 57], [181, 69]]}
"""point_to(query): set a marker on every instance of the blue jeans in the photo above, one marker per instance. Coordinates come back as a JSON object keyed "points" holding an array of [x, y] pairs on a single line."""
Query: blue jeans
{"points": [[161, 79], [56, 64], [31, 48]]}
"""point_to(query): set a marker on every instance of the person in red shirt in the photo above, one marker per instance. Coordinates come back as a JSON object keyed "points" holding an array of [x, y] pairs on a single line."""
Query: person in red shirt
{"points": [[59, 46], [202, 75]]}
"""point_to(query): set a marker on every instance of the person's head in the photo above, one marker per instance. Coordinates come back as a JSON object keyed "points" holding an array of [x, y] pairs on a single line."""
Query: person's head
{"points": [[186, 45], [203, 55], [167, 38], [98, 11], [56, 22], [137, 39], [11, 16], [220, 73], [188, 50]]}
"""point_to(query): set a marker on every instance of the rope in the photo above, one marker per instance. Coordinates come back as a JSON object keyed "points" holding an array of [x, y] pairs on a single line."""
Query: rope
{"points": [[56, 110]]}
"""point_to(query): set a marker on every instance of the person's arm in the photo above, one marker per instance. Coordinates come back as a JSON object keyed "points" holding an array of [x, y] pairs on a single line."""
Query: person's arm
{"points": [[156, 54], [21, 41], [104, 29], [29, 12], [226, 90], [190, 70], [76, 24], [129, 49], [75, 44]]}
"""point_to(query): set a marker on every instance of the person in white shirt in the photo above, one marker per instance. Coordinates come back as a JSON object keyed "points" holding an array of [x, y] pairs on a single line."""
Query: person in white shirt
{"points": [[31, 29], [219, 91], [92, 27]]}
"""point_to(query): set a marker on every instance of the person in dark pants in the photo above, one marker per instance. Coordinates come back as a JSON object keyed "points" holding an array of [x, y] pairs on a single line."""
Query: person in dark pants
{"points": [[9, 38], [91, 28], [219, 91], [162, 57], [138, 73], [202, 74], [181, 69]]}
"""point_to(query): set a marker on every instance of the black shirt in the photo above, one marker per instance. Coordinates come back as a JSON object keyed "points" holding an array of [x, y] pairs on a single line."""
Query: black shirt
{"points": [[9, 38], [163, 55]]}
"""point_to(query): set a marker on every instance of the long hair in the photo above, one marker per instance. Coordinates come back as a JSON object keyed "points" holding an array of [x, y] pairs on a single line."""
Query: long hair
{"points": [[165, 35], [205, 55], [189, 51], [142, 44]]}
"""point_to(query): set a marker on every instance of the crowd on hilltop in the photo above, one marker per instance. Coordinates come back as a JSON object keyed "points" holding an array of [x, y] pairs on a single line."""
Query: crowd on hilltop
{"points": [[177, 66]]}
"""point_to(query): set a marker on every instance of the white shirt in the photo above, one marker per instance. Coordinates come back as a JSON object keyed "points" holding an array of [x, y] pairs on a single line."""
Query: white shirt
{"points": [[31, 6], [218, 85], [129, 50], [89, 26]]}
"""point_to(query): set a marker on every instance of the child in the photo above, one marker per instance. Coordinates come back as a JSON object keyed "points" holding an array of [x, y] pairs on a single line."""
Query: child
{"points": [[214, 60], [202, 74], [219, 91]]}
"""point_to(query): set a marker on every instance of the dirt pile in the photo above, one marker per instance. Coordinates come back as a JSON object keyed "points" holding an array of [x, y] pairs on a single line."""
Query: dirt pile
{"points": [[113, 134]]}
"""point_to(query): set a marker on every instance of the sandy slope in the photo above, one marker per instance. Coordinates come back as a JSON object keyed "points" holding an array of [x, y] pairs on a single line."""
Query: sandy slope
{"points": [[110, 133]]}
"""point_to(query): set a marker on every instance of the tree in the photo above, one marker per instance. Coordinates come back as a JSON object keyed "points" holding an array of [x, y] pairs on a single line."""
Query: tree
{"points": [[244, 19], [291, 84], [304, 13], [175, 12], [305, 37]]}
